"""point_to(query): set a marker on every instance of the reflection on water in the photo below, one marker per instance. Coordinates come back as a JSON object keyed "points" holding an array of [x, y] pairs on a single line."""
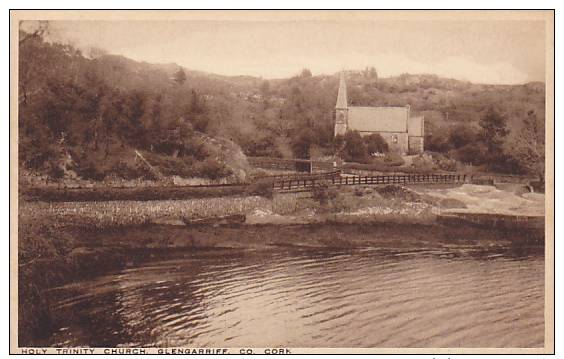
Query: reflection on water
{"points": [[361, 298]]}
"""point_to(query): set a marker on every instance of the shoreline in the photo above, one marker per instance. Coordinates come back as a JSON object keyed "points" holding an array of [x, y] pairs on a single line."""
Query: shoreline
{"points": [[90, 253], [63, 242]]}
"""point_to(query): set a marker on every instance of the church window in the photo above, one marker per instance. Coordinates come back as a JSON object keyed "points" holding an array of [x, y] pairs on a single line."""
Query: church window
{"points": [[395, 138]]}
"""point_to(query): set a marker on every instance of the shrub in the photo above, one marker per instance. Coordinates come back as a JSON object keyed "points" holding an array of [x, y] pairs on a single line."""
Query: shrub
{"points": [[261, 187], [393, 159], [322, 194], [375, 143], [446, 164], [90, 170], [474, 153], [213, 169], [423, 164], [55, 171], [123, 170], [354, 148], [461, 135]]}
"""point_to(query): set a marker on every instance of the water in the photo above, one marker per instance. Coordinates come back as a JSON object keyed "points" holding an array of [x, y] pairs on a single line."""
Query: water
{"points": [[370, 297]]}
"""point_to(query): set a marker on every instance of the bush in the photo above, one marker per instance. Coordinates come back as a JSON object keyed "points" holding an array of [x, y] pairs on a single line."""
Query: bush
{"points": [[213, 169], [446, 164], [473, 153], [354, 148], [123, 170], [55, 171], [423, 164], [322, 194], [375, 143], [393, 159], [188, 166], [261, 187], [90, 170], [260, 146]]}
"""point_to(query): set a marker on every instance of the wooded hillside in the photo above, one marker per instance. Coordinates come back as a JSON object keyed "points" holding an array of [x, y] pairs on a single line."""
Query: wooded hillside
{"points": [[100, 107]]}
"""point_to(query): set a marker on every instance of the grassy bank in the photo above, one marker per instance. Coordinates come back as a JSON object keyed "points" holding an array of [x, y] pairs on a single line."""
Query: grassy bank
{"points": [[53, 194]]}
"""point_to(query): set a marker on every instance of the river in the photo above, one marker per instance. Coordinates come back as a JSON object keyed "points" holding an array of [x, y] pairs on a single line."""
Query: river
{"points": [[457, 296]]}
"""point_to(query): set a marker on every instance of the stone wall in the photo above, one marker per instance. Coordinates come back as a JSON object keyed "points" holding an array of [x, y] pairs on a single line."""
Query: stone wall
{"points": [[415, 145]]}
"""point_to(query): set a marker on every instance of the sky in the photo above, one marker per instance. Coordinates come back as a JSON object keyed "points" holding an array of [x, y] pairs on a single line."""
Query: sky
{"points": [[487, 51]]}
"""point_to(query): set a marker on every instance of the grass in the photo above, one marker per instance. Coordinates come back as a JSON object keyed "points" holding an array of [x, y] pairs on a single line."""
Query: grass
{"points": [[51, 194]]}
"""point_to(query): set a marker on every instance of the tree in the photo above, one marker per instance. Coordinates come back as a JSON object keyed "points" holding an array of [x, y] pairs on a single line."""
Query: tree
{"points": [[370, 73], [302, 141], [265, 88], [529, 147], [180, 76], [96, 52], [33, 30], [375, 143], [461, 135], [355, 149], [493, 130], [306, 73]]}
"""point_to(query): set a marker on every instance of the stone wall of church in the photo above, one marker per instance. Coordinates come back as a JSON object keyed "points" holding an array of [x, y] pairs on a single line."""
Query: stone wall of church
{"points": [[415, 145], [340, 129]]}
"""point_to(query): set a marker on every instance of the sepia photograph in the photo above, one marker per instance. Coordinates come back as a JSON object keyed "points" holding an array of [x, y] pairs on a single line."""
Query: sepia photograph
{"points": [[282, 182]]}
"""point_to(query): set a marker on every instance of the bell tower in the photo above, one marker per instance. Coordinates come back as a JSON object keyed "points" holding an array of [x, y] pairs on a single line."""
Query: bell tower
{"points": [[341, 108]]}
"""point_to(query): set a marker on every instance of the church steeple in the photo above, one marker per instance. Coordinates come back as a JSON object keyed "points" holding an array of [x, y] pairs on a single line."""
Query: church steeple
{"points": [[342, 95], [341, 108]]}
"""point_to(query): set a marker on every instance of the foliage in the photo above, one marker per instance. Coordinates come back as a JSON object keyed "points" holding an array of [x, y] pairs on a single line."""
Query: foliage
{"points": [[328, 197], [424, 164], [355, 148], [180, 77], [261, 187], [106, 103], [461, 135], [475, 153], [393, 159], [213, 169], [305, 73], [493, 130], [375, 143], [82, 101], [528, 149]]}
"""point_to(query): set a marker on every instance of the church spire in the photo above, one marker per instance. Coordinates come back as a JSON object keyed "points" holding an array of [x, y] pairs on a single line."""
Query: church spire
{"points": [[342, 96]]}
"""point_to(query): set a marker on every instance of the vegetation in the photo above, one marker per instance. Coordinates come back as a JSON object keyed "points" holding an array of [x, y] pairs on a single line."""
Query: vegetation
{"points": [[356, 148], [263, 187], [99, 108], [92, 111], [50, 194]]}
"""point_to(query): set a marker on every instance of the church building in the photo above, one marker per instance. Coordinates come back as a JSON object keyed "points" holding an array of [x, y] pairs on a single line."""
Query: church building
{"points": [[403, 133]]}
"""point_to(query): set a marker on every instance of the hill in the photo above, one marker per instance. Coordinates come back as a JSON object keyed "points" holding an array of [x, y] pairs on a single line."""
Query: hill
{"points": [[104, 105]]}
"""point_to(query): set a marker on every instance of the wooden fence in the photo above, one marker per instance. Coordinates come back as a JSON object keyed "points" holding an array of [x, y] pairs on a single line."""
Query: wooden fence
{"points": [[304, 183], [302, 176]]}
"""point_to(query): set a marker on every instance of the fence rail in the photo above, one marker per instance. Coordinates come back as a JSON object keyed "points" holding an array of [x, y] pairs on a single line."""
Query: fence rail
{"points": [[302, 176], [304, 183]]}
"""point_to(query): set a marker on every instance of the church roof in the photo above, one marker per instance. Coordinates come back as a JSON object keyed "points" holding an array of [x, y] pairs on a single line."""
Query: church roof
{"points": [[415, 126], [342, 95], [378, 119]]}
